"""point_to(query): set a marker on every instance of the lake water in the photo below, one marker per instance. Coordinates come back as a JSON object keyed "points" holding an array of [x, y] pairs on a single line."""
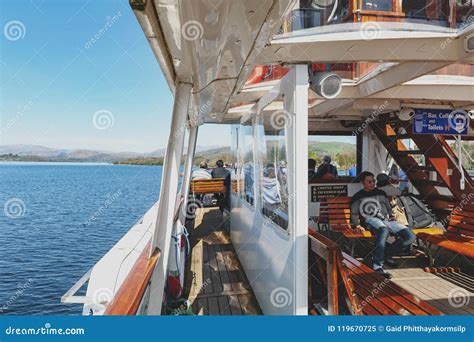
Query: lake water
{"points": [[57, 221]]}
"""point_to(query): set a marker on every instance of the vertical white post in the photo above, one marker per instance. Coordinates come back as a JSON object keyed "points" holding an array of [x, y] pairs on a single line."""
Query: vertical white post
{"points": [[193, 132], [168, 195], [296, 102]]}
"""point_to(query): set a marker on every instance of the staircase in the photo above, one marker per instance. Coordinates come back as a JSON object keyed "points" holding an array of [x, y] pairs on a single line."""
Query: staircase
{"points": [[432, 167]]}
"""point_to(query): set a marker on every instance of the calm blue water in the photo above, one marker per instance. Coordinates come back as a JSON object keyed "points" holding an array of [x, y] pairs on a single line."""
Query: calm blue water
{"points": [[47, 240]]}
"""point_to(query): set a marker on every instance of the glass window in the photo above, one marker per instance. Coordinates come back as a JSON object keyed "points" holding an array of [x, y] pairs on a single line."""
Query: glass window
{"points": [[377, 5], [247, 168], [273, 171]]}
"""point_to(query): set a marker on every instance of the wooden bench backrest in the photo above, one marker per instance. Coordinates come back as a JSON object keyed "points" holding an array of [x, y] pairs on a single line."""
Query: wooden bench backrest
{"points": [[339, 212], [331, 253], [207, 186], [462, 222]]}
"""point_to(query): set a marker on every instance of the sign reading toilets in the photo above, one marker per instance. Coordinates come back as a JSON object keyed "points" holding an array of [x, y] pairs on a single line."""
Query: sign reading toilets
{"points": [[440, 121]]}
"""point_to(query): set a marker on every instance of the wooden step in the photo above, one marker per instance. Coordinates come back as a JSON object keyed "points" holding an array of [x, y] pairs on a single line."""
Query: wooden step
{"points": [[408, 153], [437, 197], [424, 168], [425, 182]]}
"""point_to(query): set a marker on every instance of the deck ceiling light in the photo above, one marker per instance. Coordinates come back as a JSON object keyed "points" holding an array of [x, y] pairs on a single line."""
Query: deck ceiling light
{"points": [[406, 114], [326, 84]]}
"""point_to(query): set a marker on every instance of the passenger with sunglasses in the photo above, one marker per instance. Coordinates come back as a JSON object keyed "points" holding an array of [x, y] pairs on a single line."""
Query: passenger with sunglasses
{"points": [[371, 208]]}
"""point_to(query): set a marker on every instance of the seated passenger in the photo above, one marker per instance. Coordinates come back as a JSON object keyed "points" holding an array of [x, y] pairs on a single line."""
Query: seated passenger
{"points": [[201, 173], [220, 171], [270, 188], [326, 170], [311, 169], [383, 183], [373, 206], [392, 192]]}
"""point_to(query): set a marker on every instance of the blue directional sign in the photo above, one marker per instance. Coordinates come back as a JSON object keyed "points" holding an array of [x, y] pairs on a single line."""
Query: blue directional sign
{"points": [[440, 121]]}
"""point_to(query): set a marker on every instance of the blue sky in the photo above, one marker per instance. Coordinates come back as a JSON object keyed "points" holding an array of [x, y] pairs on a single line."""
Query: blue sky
{"points": [[54, 79]]}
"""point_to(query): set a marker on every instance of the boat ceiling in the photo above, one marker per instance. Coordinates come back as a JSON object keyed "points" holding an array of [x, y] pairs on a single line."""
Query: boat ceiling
{"points": [[215, 44], [211, 44]]}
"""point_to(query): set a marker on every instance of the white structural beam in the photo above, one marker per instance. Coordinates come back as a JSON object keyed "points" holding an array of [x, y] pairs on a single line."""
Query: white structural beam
{"points": [[193, 132], [168, 194], [357, 42], [296, 103]]}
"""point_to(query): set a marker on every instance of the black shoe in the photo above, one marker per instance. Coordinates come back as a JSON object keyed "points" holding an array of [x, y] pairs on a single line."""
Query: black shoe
{"points": [[390, 262], [382, 272]]}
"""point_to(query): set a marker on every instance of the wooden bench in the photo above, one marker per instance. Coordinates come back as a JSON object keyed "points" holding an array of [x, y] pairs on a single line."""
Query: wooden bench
{"points": [[207, 186], [459, 237], [365, 291], [339, 213]]}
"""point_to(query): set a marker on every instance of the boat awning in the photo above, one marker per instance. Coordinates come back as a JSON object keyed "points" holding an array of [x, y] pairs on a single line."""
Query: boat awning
{"points": [[212, 44]]}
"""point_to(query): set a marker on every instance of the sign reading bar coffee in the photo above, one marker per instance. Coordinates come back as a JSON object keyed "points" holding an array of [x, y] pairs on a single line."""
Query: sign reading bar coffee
{"points": [[324, 191], [440, 121]]}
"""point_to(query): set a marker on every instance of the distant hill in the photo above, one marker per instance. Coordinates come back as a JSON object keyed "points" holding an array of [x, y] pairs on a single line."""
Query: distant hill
{"points": [[342, 153], [47, 154]]}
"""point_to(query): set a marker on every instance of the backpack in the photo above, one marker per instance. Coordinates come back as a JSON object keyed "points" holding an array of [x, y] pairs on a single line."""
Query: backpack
{"points": [[417, 213]]}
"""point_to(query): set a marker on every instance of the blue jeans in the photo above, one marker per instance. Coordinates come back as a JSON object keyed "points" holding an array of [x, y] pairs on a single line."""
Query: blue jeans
{"points": [[382, 229]]}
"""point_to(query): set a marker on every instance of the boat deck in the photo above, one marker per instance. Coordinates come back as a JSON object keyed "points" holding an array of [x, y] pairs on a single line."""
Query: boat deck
{"points": [[450, 293], [218, 285]]}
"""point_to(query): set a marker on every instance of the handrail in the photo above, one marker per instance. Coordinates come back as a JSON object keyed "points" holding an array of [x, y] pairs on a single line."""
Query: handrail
{"points": [[128, 298]]}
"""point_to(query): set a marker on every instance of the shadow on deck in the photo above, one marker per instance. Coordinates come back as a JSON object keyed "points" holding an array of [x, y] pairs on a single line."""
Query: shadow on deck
{"points": [[216, 283]]}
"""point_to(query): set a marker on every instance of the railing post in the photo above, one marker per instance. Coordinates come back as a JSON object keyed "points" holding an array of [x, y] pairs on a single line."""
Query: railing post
{"points": [[168, 194], [193, 131]]}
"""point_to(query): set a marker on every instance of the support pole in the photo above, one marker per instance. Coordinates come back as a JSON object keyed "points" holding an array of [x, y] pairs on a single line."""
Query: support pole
{"points": [[296, 102], [193, 131], [168, 194]]}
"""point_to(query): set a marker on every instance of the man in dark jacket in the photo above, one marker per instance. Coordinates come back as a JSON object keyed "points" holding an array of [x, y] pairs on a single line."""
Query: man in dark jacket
{"points": [[221, 172], [370, 207]]}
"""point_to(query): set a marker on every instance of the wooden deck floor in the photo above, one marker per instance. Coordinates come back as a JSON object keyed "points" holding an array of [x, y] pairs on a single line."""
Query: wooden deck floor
{"points": [[218, 285], [443, 294]]}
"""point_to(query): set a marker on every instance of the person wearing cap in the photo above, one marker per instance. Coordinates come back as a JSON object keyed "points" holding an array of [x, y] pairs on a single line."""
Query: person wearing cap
{"points": [[202, 172], [383, 183], [326, 170]]}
